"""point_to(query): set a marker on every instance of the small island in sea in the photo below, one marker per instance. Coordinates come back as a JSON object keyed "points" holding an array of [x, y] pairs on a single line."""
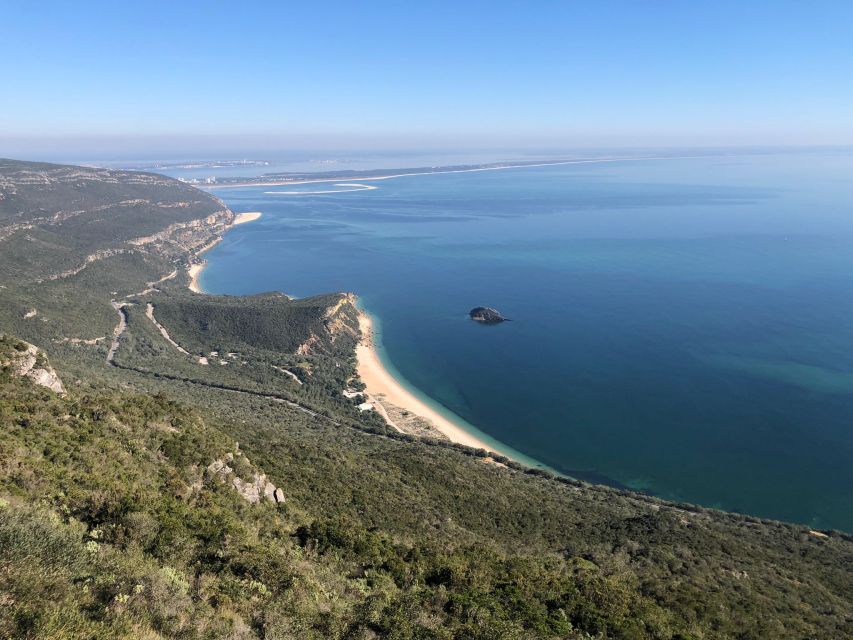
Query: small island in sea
{"points": [[486, 315]]}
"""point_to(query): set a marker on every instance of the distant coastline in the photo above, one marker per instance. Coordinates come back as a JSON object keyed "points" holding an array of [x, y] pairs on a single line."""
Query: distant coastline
{"points": [[277, 180], [195, 269]]}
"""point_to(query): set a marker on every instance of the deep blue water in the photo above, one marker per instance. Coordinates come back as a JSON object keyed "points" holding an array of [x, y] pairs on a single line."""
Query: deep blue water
{"points": [[682, 326]]}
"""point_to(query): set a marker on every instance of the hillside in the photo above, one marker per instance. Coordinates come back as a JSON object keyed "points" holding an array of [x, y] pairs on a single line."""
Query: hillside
{"points": [[203, 476]]}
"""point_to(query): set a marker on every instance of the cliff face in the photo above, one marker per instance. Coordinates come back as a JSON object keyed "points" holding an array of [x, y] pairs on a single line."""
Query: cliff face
{"points": [[341, 319], [188, 237], [26, 360]]}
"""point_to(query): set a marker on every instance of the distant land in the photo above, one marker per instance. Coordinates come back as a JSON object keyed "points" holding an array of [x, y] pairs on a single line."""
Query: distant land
{"points": [[272, 179], [198, 164]]}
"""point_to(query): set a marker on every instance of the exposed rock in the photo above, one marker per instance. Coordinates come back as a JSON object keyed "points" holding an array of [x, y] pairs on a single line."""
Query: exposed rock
{"points": [[305, 348], [193, 235], [219, 468], [252, 491], [486, 315], [28, 361], [258, 488], [337, 319], [249, 491]]}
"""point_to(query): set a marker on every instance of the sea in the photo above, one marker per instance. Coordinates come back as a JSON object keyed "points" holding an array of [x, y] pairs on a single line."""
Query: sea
{"points": [[680, 326]]}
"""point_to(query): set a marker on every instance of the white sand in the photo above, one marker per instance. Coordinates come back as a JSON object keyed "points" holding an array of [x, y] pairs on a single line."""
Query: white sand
{"points": [[249, 216], [380, 382], [194, 272]]}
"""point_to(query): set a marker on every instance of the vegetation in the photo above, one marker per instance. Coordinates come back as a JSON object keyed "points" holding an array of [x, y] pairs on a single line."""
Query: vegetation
{"points": [[114, 524], [270, 321]]}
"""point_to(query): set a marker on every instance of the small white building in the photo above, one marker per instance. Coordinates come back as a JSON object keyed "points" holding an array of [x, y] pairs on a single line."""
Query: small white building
{"points": [[365, 406]]}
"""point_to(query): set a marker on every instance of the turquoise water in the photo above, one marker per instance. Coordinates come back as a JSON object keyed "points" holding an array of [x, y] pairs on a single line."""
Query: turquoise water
{"points": [[682, 327]]}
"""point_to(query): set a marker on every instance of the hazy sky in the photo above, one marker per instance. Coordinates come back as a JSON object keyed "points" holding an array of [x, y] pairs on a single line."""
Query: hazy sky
{"points": [[433, 73]]}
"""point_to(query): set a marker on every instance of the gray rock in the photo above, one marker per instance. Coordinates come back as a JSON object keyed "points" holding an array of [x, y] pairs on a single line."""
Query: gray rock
{"points": [[486, 315], [33, 364]]}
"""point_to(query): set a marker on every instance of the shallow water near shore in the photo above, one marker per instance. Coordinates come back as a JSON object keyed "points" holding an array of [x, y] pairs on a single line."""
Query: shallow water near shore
{"points": [[682, 327]]}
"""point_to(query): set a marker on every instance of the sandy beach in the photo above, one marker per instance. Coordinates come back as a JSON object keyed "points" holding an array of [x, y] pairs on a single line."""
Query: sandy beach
{"points": [[195, 270], [243, 218], [382, 387]]}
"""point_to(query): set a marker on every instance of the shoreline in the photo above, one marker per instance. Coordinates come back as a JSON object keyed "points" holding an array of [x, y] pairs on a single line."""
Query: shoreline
{"points": [[385, 390], [195, 269]]}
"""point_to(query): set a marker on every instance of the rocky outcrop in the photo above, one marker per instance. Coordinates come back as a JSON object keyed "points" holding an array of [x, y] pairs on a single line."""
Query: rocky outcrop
{"points": [[486, 315], [306, 347], [256, 489], [28, 361], [252, 491], [341, 319], [190, 235]]}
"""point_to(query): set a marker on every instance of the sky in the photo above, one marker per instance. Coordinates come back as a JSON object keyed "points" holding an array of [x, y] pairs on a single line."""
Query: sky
{"points": [[99, 75]]}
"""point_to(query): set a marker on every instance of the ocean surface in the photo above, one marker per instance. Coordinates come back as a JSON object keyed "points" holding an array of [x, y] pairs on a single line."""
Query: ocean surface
{"points": [[682, 327]]}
